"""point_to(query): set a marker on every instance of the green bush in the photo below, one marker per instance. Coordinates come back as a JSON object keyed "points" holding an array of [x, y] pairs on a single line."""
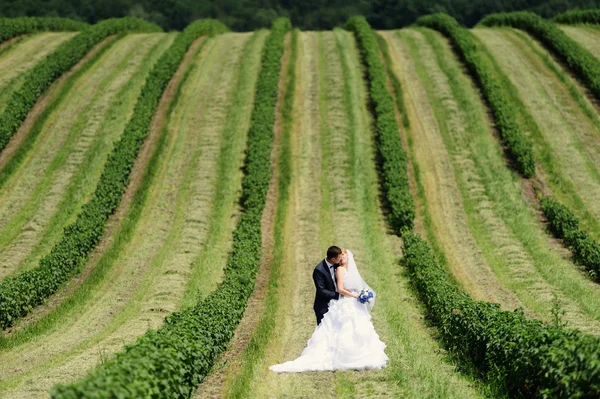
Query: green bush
{"points": [[585, 66], [526, 356], [578, 17], [171, 361], [11, 27], [40, 77], [19, 294], [565, 225], [518, 145], [401, 212]]}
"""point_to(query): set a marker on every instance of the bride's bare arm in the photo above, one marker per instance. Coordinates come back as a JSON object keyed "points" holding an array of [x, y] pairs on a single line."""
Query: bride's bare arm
{"points": [[340, 283]]}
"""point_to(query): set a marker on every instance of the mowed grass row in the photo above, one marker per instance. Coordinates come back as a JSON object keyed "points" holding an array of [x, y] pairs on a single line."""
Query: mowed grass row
{"points": [[567, 130], [62, 169], [146, 273], [441, 208], [586, 35], [505, 228], [22, 55], [231, 374], [334, 197]]}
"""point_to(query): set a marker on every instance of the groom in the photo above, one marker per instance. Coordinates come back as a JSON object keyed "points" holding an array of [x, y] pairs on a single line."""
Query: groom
{"points": [[325, 281]]}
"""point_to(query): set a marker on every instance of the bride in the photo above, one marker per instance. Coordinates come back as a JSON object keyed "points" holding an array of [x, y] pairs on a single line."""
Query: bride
{"points": [[345, 339]]}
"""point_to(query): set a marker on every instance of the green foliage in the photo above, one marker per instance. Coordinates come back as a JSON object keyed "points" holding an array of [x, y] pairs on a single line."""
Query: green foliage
{"points": [[578, 17], [565, 225], [39, 78], [11, 27], [19, 294], [248, 15], [526, 356], [398, 93], [169, 362], [518, 145], [585, 66], [389, 144]]}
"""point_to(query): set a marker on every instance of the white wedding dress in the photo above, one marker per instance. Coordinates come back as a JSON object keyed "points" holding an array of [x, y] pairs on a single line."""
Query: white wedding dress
{"points": [[345, 339]]}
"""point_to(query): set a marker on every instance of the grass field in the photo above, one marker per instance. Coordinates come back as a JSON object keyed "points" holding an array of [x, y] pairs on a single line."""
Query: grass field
{"points": [[22, 55], [166, 246], [151, 268], [587, 36]]}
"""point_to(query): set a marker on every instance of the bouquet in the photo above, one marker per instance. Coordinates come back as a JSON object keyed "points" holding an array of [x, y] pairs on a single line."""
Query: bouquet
{"points": [[365, 296]]}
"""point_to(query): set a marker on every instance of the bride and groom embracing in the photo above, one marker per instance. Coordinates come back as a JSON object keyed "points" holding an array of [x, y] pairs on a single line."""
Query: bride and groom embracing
{"points": [[344, 338]]}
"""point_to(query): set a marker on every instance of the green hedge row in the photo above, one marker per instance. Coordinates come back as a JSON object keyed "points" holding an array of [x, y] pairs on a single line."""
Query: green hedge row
{"points": [[171, 361], [12, 27], [581, 61], [578, 17], [19, 294], [518, 145], [40, 77], [525, 356], [401, 212], [565, 225]]}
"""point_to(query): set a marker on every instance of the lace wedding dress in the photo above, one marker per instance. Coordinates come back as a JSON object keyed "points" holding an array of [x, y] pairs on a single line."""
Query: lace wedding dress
{"points": [[345, 339]]}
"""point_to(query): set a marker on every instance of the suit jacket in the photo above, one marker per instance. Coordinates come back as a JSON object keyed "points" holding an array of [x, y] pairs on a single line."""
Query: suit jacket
{"points": [[325, 287]]}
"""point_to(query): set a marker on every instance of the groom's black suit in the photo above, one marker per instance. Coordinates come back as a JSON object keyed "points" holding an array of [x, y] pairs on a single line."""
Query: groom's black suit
{"points": [[325, 289]]}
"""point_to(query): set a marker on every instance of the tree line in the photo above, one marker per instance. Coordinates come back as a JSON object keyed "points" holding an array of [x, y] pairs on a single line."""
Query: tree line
{"points": [[247, 15]]}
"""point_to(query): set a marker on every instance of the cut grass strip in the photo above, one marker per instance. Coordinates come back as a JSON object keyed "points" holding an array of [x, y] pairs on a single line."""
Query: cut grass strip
{"points": [[397, 92], [518, 146], [565, 135], [414, 368], [578, 59], [72, 306], [222, 222], [505, 227], [148, 277], [69, 180], [52, 67], [19, 295], [587, 37], [184, 340], [23, 56], [85, 179], [295, 320], [253, 355], [442, 175], [23, 141], [393, 157]]}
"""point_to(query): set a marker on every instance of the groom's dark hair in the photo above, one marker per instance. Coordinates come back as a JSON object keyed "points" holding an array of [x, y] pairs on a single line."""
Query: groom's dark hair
{"points": [[333, 252]]}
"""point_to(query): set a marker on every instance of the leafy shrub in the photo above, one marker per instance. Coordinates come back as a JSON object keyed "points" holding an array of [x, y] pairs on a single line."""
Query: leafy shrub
{"points": [[578, 17], [19, 294], [40, 77], [565, 225], [169, 362], [582, 62], [389, 144], [519, 147], [527, 356], [11, 27]]}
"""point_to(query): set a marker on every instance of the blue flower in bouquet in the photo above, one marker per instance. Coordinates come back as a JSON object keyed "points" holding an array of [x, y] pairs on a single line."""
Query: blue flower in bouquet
{"points": [[365, 296]]}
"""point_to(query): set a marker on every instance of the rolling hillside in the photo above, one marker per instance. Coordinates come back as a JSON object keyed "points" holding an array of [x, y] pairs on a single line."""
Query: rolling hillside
{"points": [[165, 199]]}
